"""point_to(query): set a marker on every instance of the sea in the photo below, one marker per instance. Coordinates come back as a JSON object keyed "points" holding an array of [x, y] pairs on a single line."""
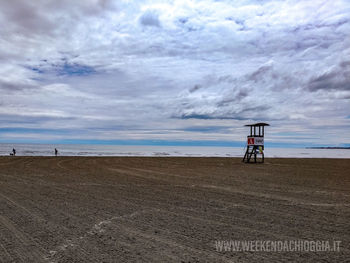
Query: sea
{"points": [[194, 151]]}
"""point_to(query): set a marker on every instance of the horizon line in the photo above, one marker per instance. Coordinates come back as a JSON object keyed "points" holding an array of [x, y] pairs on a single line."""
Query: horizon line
{"points": [[182, 143]]}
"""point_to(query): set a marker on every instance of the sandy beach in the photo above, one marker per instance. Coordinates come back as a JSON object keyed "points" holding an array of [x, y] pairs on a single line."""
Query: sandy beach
{"points": [[166, 209]]}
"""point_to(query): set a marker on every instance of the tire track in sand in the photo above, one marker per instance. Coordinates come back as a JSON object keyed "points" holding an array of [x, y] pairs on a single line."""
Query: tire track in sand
{"points": [[31, 249]]}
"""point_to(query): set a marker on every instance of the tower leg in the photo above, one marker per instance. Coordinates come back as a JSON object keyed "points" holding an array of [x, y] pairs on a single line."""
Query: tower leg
{"points": [[246, 154], [250, 153], [254, 155]]}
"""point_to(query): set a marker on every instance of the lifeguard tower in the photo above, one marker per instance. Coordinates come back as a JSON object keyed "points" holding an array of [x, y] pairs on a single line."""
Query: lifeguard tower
{"points": [[255, 143]]}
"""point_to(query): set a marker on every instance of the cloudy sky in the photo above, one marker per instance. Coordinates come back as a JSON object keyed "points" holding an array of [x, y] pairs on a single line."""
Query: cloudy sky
{"points": [[168, 72]]}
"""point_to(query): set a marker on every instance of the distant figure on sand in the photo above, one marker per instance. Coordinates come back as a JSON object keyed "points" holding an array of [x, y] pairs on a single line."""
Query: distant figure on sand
{"points": [[13, 151], [56, 152]]}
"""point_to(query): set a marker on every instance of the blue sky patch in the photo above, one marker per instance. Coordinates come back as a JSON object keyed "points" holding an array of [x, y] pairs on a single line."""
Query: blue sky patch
{"points": [[75, 70]]}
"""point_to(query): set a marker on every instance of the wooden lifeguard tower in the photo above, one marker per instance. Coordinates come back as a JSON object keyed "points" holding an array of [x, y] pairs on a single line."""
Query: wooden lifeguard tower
{"points": [[255, 143]]}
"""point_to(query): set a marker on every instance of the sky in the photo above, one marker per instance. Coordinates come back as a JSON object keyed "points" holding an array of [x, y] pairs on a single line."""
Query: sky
{"points": [[175, 72]]}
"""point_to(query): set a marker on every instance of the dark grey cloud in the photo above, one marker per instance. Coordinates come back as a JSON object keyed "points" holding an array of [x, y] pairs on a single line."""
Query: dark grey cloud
{"points": [[345, 65], [150, 18], [336, 78], [260, 73], [195, 88], [237, 98], [227, 113], [206, 129], [9, 86], [12, 86], [27, 18], [207, 117], [34, 18]]}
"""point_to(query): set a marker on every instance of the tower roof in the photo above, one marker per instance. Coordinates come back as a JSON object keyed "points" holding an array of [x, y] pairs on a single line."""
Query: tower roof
{"points": [[258, 124]]}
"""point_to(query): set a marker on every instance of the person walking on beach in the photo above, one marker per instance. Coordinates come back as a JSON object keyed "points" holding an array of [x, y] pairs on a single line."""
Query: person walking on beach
{"points": [[56, 152], [14, 151]]}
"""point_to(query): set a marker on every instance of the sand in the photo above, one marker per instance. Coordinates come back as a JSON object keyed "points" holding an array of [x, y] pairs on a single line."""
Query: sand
{"points": [[128, 209]]}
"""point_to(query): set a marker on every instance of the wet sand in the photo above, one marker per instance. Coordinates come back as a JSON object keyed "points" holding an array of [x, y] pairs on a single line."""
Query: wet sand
{"points": [[167, 209]]}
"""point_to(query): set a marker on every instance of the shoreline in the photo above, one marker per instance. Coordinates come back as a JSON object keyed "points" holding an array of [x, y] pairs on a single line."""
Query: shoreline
{"points": [[163, 156], [180, 151]]}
